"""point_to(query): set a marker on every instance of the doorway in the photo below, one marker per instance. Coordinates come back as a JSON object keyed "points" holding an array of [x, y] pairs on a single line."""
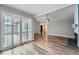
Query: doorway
{"points": [[41, 29], [44, 30]]}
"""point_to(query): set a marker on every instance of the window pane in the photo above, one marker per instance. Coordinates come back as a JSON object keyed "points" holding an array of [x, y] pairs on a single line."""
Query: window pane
{"points": [[29, 29], [8, 24], [8, 20], [16, 30], [8, 29], [7, 41], [30, 35], [29, 25], [16, 38], [24, 37], [16, 24], [24, 25]]}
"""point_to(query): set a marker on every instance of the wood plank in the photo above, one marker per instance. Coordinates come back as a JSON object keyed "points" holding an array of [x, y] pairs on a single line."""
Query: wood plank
{"points": [[41, 46]]}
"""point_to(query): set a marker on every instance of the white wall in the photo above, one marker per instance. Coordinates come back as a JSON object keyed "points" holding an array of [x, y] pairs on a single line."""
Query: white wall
{"points": [[60, 23], [36, 27], [61, 28]]}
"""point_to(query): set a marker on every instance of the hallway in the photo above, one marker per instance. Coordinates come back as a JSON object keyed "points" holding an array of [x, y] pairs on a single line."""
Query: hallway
{"points": [[41, 46]]}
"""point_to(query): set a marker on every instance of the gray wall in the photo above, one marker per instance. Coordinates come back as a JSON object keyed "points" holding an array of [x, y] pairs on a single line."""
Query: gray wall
{"points": [[61, 28]]}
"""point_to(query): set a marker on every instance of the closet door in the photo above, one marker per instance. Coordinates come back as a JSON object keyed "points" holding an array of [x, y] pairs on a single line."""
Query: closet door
{"points": [[24, 29], [7, 31]]}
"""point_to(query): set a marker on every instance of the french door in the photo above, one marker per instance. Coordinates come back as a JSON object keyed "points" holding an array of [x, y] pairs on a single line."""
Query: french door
{"points": [[7, 31], [24, 30], [29, 29], [16, 31]]}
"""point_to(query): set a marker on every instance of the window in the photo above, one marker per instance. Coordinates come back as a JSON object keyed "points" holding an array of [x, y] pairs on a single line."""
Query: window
{"points": [[16, 30]]}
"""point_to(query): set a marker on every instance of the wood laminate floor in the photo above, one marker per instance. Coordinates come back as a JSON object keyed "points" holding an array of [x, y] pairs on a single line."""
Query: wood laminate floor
{"points": [[44, 46]]}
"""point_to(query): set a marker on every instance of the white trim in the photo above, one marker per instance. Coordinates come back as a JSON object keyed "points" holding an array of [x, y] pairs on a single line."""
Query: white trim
{"points": [[61, 35]]}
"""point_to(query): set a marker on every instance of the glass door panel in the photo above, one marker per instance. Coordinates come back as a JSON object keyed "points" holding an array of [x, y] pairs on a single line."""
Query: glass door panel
{"points": [[24, 25], [30, 35], [16, 30], [16, 38], [29, 25], [24, 37], [24, 30], [7, 41], [29, 29]]}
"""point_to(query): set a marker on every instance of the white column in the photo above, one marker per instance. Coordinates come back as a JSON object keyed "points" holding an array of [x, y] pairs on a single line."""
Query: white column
{"points": [[76, 22]]}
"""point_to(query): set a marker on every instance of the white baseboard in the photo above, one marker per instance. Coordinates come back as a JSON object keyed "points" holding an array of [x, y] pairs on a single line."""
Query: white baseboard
{"points": [[61, 35]]}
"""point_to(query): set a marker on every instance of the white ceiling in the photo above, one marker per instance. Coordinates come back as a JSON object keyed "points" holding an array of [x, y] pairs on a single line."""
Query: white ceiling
{"points": [[65, 13], [62, 14], [37, 9]]}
